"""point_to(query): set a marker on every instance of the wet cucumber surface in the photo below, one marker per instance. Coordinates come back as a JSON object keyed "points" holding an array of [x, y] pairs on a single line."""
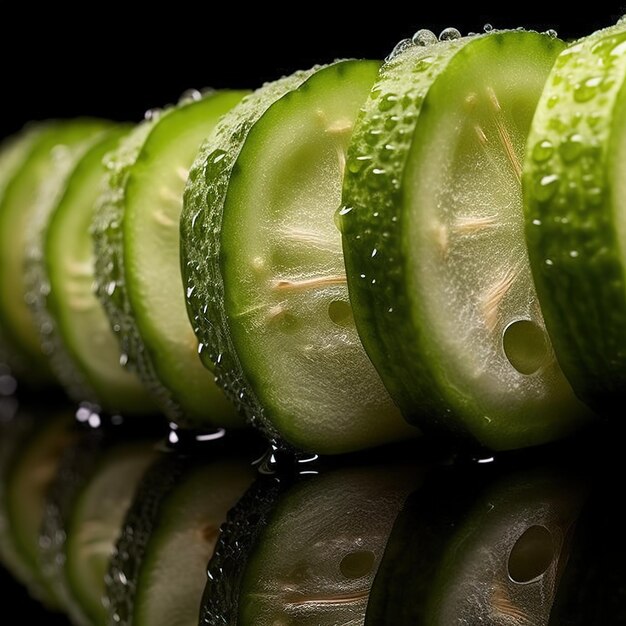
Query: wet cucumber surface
{"points": [[575, 200], [432, 227], [136, 234], [264, 269]]}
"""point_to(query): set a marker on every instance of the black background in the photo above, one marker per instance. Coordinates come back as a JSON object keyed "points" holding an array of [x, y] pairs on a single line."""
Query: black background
{"points": [[102, 61]]}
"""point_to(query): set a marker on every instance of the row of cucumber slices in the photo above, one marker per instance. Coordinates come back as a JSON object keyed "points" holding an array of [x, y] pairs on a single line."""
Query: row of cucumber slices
{"points": [[355, 253]]}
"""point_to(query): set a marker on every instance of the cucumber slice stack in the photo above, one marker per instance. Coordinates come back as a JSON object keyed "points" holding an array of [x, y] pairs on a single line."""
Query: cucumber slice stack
{"points": [[345, 250]]}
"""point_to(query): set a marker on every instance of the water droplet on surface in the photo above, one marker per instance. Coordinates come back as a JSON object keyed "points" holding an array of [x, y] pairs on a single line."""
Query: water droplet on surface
{"points": [[542, 151], [399, 48], [110, 288], [189, 95], [488, 28], [585, 91], [424, 37], [449, 34], [340, 313], [152, 114], [387, 102], [545, 187], [123, 359], [572, 147], [551, 33]]}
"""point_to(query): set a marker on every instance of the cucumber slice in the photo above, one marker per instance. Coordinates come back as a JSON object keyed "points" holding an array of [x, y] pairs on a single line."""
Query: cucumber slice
{"points": [[575, 198], [476, 549], [158, 572], [13, 153], [29, 194], [26, 482], [83, 350], [136, 234], [84, 515], [433, 236], [316, 559], [264, 270]]}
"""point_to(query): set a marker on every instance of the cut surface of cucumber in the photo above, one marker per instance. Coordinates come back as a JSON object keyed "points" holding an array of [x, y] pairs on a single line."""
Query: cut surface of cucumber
{"points": [[575, 201], [29, 194], [158, 572], [138, 269], [76, 333], [262, 258], [433, 237]]}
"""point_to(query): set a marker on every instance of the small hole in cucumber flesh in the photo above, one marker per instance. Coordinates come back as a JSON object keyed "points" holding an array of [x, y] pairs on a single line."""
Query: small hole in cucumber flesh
{"points": [[340, 313], [526, 346], [357, 564], [532, 555]]}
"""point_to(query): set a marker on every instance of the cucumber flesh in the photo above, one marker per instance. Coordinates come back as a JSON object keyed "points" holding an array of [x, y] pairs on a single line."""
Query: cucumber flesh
{"points": [[432, 227], [315, 561], [575, 199], [260, 207], [138, 268], [96, 523], [26, 483], [83, 350], [29, 195]]}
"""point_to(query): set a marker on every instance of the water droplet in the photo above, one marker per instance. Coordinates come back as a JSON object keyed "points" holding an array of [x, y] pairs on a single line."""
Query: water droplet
{"points": [[449, 34], [545, 187], [152, 114], [123, 359], [572, 147], [110, 288], [573, 254], [553, 100], [339, 213], [399, 48], [387, 102], [424, 37], [355, 165], [585, 91], [488, 28], [549, 262], [551, 33], [542, 151], [189, 95]]}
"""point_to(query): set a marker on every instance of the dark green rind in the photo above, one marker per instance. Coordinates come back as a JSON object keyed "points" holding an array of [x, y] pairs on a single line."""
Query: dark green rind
{"points": [[374, 217], [404, 83], [201, 251], [571, 220], [238, 536], [41, 178]]}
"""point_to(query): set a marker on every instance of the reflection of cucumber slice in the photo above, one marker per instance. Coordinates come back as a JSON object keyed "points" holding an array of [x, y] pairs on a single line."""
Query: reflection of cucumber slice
{"points": [[466, 551], [433, 236], [27, 479], [159, 569], [83, 350], [315, 561], [96, 523], [264, 268], [28, 195], [138, 261], [575, 193]]}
